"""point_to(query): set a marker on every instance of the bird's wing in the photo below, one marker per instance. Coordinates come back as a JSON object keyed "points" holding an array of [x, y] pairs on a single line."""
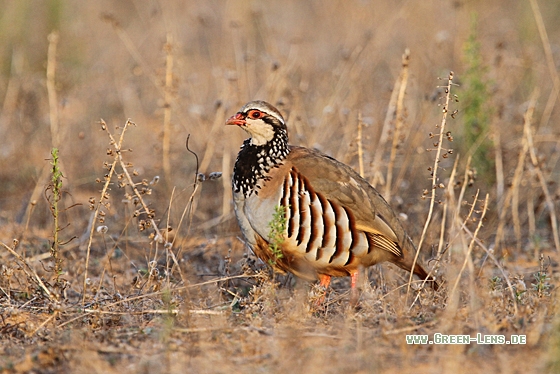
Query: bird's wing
{"points": [[341, 185]]}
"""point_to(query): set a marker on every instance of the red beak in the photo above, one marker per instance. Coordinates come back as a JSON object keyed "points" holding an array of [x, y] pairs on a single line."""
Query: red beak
{"points": [[237, 119]]}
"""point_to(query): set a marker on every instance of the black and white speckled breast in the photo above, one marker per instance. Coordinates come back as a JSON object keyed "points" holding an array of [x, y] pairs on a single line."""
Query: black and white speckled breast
{"points": [[254, 162]]}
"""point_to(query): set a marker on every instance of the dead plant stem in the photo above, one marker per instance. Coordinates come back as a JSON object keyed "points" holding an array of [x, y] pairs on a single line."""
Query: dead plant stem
{"points": [[51, 89], [434, 175], [446, 206], [548, 198], [103, 196], [30, 272], [471, 245], [551, 102], [167, 97], [512, 195], [360, 149], [399, 120]]}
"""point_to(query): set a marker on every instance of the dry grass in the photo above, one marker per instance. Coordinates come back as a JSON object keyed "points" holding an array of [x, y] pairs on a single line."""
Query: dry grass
{"points": [[153, 276]]}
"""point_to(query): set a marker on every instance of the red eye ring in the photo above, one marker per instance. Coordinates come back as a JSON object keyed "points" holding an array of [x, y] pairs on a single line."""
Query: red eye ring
{"points": [[255, 114]]}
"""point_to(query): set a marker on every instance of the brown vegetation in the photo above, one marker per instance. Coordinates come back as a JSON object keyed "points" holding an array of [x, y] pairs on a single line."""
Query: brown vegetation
{"points": [[131, 261]]}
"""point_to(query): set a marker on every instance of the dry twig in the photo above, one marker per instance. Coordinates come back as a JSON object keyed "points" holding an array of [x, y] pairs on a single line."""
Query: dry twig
{"points": [[167, 97], [30, 272], [434, 186], [471, 245], [399, 119]]}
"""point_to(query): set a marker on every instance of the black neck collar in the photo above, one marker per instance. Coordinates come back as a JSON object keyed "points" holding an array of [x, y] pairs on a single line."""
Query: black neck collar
{"points": [[255, 161]]}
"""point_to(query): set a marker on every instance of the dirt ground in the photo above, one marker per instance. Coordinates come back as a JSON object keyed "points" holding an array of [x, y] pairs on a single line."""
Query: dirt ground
{"points": [[120, 251]]}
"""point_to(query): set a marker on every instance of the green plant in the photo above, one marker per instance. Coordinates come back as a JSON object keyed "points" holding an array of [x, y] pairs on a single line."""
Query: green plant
{"points": [[276, 235], [55, 13], [541, 285], [519, 295], [553, 364], [495, 283], [477, 111]]}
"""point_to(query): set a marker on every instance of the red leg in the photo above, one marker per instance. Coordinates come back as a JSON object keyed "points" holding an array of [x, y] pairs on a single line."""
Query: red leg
{"points": [[354, 278], [325, 280], [354, 290]]}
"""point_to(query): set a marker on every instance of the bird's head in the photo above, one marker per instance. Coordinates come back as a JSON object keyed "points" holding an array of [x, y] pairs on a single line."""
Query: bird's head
{"points": [[261, 120]]}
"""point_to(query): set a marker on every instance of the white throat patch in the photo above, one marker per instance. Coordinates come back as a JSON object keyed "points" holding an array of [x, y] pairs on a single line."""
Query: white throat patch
{"points": [[261, 133]]}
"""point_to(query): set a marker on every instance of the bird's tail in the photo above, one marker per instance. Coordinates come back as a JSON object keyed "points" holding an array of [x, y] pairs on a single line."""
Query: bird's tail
{"points": [[422, 274]]}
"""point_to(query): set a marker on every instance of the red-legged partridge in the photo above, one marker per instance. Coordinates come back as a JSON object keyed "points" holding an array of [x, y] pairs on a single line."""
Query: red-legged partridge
{"points": [[335, 222]]}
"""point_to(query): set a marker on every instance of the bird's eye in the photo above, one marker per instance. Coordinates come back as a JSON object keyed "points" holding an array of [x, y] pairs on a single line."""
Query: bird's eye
{"points": [[255, 114]]}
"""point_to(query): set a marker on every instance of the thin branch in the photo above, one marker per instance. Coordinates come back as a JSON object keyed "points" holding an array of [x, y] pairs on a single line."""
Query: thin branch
{"points": [[471, 245], [51, 88], [549, 62], [434, 175], [101, 199], [53, 316], [548, 198], [30, 272], [499, 161], [140, 297], [189, 208], [129, 45], [399, 119], [512, 195], [446, 206], [490, 254], [167, 97], [377, 178], [360, 149]]}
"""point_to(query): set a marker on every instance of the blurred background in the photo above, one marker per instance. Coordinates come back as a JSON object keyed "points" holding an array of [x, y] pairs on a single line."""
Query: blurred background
{"points": [[182, 67], [335, 70]]}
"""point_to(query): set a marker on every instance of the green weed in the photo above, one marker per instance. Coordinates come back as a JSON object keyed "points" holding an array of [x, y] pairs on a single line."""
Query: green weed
{"points": [[477, 111], [276, 235]]}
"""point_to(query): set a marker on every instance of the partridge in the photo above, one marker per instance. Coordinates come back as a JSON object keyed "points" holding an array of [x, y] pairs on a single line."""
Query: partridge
{"points": [[334, 221]]}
